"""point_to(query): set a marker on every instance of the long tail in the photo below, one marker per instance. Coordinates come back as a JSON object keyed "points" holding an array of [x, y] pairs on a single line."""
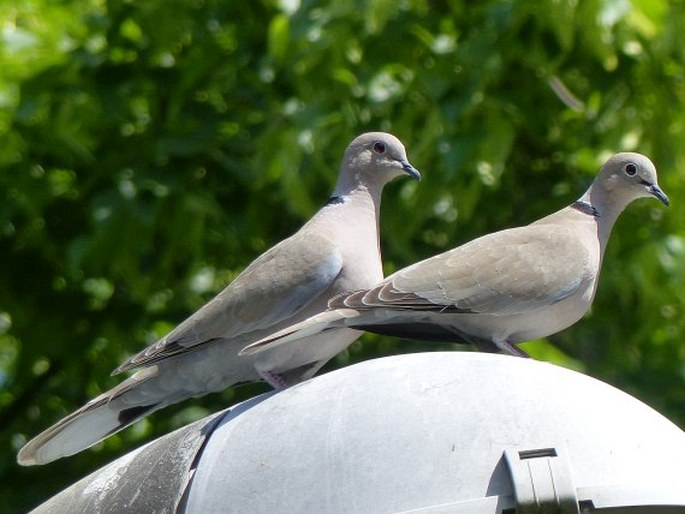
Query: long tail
{"points": [[323, 322], [101, 417]]}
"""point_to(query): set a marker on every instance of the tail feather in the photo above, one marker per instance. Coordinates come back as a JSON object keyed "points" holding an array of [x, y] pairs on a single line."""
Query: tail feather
{"points": [[96, 420], [133, 414], [325, 321]]}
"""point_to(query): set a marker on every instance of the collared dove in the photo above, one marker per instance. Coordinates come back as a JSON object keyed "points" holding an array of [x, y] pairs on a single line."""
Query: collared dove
{"points": [[500, 289], [336, 251]]}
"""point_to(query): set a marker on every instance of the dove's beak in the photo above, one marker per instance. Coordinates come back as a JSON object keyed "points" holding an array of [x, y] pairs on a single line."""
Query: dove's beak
{"points": [[656, 191], [411, 170]]}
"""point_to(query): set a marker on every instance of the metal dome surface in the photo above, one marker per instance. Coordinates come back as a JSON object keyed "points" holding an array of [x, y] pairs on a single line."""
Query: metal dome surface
{"points": [[442, 432], [422, 433]]}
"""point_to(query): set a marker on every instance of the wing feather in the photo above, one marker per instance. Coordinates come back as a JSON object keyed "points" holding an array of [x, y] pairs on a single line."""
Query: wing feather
{"points": [[507, 272], [277, 285]]}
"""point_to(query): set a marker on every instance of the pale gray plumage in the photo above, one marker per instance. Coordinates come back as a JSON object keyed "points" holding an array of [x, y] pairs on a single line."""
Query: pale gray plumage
{"points": [[503, 288], [335, 251]]}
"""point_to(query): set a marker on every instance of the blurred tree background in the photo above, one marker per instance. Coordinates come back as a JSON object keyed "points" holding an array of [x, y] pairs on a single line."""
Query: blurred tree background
{"points": [[150, 150]]}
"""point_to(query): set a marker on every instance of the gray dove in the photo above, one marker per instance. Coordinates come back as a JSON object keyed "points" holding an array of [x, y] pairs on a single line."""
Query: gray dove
{"points": [[500, 289], [337, 250]]}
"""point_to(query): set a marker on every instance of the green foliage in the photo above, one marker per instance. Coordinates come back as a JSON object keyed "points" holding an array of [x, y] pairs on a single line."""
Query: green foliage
{"points": [[150, 150]]}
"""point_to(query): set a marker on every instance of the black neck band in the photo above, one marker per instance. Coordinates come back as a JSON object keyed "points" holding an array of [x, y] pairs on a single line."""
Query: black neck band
{"points": [[585, 208]]}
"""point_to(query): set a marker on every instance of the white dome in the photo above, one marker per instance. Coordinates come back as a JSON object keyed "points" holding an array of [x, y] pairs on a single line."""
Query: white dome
{"points": [[432, 432]]}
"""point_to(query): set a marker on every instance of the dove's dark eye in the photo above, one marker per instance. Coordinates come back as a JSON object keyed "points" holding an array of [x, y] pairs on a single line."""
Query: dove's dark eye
{"points": [[379, 148], [631, 169]]}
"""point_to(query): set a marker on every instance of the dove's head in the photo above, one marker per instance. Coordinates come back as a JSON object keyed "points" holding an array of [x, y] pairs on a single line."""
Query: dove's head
{"points": [[374, 159], [627, 176]]}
